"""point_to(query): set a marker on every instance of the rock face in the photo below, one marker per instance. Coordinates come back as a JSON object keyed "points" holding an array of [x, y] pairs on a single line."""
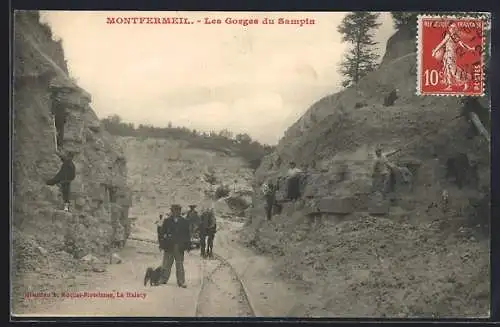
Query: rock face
{"points": [[166, 171], [355, 250], [335, 139], [100, 199]]}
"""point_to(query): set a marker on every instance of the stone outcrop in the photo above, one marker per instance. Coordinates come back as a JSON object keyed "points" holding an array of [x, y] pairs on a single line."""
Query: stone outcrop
{"points": [[334, 140], [100, 198]]}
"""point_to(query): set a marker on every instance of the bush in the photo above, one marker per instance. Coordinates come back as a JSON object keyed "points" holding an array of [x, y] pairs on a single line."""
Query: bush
{"points": [[210, 178], [221, 191], [240, 145], [237, 203]]}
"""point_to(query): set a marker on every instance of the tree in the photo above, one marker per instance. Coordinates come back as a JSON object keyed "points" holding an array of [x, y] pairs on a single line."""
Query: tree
{"points": [[225, 133], [357, 29], [114, 119], [405, 20], [243, 138]]}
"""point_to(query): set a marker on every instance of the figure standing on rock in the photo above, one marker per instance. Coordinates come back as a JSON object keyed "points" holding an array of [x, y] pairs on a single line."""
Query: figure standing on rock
{"points": [[269, 190], [175, 238], [381, 173], [65, 176], [293, 189], [119, 238], [391, 98]]}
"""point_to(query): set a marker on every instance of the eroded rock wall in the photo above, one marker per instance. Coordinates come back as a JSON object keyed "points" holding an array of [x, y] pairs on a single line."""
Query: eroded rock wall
{"points": [[99, 195]]}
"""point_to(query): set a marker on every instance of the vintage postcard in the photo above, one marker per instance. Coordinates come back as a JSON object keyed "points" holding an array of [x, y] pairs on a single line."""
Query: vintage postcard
{"points": [[250, 164]]}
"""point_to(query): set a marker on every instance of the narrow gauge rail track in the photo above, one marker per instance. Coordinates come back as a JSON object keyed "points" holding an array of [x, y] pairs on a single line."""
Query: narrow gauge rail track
{"points": [[206, 279]]}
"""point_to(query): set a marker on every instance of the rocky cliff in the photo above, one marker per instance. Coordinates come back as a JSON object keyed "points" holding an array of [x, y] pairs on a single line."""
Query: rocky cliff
{"points": [[337, 135], [167, 171], [99, 197], [354, 251]]}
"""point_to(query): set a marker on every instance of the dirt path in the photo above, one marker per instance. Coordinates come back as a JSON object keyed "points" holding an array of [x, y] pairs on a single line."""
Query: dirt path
{"points": [[220, 297], [270, 296], [126, 279], [221, 294]]}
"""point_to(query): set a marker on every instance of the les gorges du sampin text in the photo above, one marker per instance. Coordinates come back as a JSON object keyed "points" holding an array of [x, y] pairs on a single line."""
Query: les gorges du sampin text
{"points": [[209, 21]]}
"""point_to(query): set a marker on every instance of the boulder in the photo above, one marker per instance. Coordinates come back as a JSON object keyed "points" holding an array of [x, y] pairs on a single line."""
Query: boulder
{"points": [[98, 268], [379, 207], [342, 206], [115, 259], [41, 251], [238, 203], [90, 258]]}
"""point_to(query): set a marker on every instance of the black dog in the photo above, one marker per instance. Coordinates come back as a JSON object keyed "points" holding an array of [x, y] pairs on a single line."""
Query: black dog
{"points": [[153, 276]]}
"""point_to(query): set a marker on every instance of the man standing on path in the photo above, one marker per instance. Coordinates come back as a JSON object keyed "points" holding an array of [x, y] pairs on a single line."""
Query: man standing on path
{"points": [[193, 218], [175, 239], [208, 228]]}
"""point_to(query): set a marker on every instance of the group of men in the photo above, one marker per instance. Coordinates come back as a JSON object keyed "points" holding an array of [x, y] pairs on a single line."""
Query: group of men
{"points": [[292, 189], [174, 238], [383, 180]]}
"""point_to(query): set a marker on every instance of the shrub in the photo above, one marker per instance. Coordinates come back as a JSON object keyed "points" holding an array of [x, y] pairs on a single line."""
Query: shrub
{"points": [[221, 191], [210, 178]]}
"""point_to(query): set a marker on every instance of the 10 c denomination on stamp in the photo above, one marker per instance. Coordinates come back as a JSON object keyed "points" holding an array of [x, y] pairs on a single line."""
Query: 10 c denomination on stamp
{"points": [[450, 56]]}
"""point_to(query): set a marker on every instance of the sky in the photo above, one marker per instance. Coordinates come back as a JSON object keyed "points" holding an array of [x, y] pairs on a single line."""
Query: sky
{"points": [[256, 79]]}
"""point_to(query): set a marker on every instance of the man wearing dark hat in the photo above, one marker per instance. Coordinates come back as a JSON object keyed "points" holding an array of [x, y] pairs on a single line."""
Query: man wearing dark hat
{"points": [[193, 218], [175, 239]]}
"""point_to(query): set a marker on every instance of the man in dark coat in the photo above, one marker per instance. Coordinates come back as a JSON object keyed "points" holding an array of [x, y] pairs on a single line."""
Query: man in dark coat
{"points": [[293, 182], [391, 98], [64, 177], [208, 227], [175, 239]]}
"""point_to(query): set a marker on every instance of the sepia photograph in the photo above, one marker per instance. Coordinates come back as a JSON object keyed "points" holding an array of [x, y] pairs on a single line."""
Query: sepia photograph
{"points": [[250, 164]]}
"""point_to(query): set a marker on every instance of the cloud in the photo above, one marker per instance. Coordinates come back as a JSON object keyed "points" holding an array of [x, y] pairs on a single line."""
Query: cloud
{"points": [[256, 79]]}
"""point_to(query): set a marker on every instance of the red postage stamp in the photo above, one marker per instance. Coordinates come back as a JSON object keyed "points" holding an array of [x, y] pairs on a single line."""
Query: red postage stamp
{"points": [[450, 56]]}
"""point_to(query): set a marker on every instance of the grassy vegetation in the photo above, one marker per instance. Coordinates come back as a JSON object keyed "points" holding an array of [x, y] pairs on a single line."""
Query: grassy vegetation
{"points": [[223, 141]]}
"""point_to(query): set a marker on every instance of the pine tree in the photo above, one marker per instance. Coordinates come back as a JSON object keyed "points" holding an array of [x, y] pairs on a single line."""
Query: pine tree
{"points": [[405, 19], [357, 29]]}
